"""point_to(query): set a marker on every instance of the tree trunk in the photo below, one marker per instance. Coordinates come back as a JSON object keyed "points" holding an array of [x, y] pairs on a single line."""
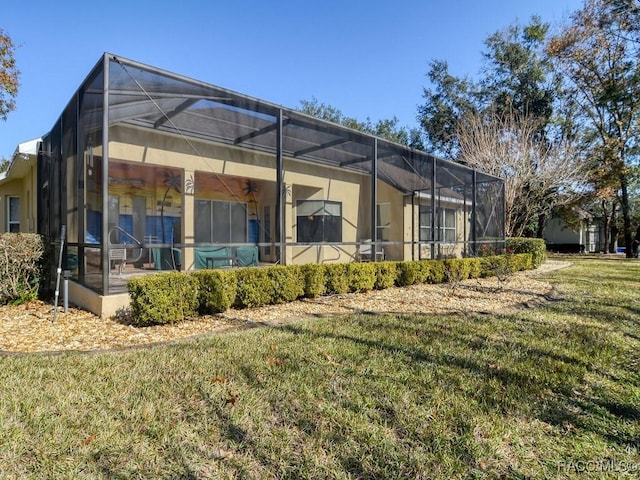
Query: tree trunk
{"points": [[613, 240], [605, 227], [542, 219], [626, 217], [613, 230]]}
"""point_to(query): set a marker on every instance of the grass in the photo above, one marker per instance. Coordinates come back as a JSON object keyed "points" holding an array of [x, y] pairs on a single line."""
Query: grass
{"points": [[552, 392]]}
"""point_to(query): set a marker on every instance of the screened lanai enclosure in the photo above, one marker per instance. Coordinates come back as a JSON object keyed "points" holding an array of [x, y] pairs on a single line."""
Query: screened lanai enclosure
{"points": [[151, 171]]}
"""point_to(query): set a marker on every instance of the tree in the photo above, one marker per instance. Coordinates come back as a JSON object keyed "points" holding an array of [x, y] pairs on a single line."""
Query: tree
{"points": [[9, 75], [386, 128], [516, 76], [4, 165], [597, 54], [538, 176], [445, 104], [517, 89]]}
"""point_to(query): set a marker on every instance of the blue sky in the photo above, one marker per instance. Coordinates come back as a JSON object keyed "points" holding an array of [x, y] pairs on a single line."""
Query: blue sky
{"points": [[367, 58]]}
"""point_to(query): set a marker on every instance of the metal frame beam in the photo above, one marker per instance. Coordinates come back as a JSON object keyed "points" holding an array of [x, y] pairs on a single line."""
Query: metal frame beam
{"points": [[315, 148], [180, 108], [280, 194], [263, 131], [105, 178], [374, 199]]}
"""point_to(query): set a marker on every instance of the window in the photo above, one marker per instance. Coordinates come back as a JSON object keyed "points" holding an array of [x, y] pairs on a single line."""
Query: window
{"points": [[13, 214], [319, 221], [383, 222], [448, 226], [445, 224], [425, 223], [220, 222]]}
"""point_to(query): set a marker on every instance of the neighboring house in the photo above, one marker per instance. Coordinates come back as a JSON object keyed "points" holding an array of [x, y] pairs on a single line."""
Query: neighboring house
{"points": [[584, 235], [17, 190], [149, 170]]}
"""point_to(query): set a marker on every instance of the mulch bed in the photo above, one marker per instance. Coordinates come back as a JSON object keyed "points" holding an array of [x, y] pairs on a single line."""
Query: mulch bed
{"points": [[30, 327]]}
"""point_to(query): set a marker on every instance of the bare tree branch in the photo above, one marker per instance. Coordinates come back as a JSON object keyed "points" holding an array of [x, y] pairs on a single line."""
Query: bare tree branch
{"points": [[538, 176]]}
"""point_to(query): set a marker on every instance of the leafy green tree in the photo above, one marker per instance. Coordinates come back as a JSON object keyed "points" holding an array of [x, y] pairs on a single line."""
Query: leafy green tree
{"points": [[516, 77], [517, 88], [597, 54], [518, 74], [9, 75], [449, 99], [4, 164]]}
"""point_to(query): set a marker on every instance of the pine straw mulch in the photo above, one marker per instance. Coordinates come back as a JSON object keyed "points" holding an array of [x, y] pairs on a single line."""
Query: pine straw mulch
{"points": [[29, 327]]}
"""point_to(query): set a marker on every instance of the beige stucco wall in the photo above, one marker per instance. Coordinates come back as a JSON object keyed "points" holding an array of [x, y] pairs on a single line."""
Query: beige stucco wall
{"points": [[105, 306], [302, 181], [23, 188]]}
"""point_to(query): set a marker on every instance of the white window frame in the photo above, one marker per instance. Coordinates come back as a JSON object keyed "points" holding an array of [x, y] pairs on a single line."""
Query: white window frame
{"points": [[383, 231], [441, 225]]}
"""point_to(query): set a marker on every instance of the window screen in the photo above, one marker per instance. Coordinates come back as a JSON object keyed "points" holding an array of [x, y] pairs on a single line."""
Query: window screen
{"points": [[220, 222], [13, 214], [445, 224], [319, 221]]}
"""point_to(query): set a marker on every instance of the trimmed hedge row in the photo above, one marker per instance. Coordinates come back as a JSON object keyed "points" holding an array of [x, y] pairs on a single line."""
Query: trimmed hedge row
{"points": [[535, 246], [174, 296]]}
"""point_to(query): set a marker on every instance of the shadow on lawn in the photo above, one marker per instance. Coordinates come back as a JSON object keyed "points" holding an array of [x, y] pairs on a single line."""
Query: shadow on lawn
{"points": [[542, 383]]}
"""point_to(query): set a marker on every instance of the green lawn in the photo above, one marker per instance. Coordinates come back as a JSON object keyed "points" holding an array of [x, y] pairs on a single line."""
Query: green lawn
{"points": [[542, 393]]}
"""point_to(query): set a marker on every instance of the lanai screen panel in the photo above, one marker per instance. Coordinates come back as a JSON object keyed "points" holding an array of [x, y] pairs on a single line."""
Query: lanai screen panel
{"points": [[191, 114], [90, 191], [455, 205], [148, 98], [490, 209]]}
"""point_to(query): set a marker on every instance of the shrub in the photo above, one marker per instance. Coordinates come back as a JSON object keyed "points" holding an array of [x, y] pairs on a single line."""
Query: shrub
{"points": [[287, 283], [163, 298], [433, 271], [255, 287], [489, 248], [459, 269], [314, 279], [336, 278], [20, 267], [535, 246], [386, 274], [495, 266], [217, 290], [520, 262], [362, 276], [410, 273]]}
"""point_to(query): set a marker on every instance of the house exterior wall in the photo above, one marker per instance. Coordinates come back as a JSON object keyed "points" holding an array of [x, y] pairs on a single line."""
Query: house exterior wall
{"points": [[303, 181], [587, 236], [23, 189], [558, 232], [142, 152]]}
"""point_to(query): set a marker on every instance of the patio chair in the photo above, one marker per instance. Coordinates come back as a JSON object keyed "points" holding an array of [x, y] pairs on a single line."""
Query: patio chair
{"points": [[118, 254], [365, 251]]}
